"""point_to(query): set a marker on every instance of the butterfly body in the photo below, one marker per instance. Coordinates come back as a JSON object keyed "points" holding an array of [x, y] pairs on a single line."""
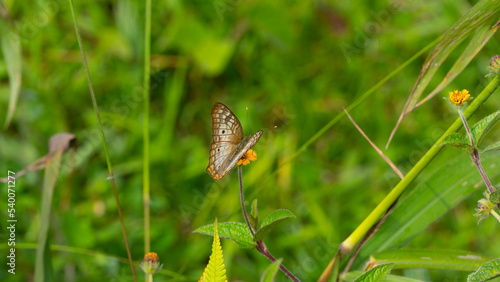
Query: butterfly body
{"points": [[228, 145]]}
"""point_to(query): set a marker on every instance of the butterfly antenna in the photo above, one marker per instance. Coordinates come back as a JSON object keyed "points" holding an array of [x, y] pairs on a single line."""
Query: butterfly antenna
{"points": [[248, 127]]}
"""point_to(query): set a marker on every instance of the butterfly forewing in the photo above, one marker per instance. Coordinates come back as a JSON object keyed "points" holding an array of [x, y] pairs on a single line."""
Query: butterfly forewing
{"points": [[228, 145]]}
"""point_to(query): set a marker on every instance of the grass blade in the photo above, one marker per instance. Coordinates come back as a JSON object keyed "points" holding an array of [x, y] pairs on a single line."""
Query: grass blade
{"points": [[42, 272], [11, 49], [430, 258]]}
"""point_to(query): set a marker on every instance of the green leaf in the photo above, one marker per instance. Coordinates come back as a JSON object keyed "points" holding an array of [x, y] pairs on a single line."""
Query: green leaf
{"points": [[448, 179], [254, 215], [378, 273], [351, 276], [492, 147], [428, 258], [486, 271], [42, 271], [483, 14], [11, 49], [270, 272], [234, 231], [271, 221], [215, 270], [482, 127], [457, 140], [481, 37]]}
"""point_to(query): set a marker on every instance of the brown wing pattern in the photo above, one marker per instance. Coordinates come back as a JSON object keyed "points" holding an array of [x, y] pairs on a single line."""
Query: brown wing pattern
{"points": [[227, 146]]}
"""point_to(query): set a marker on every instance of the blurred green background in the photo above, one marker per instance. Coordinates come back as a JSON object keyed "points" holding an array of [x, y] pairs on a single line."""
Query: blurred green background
{"points": [[292, 63]]}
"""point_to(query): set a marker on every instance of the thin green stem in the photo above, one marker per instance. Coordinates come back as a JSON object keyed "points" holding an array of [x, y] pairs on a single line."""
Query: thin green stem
{"points": [[364, 227], [145, 132], [242, 200], [103, 139], [495, 214]]}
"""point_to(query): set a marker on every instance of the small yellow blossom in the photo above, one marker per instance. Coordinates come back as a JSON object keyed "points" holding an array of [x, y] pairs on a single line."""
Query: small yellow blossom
{"points": [[459, 97], [250, 155], [151, 263]]}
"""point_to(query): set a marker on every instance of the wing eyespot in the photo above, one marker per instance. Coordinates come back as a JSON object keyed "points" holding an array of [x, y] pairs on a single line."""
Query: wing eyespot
{"points": [[223, 131]]}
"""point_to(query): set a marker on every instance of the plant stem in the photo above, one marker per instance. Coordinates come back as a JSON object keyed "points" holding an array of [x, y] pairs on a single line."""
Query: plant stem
{"points": [[103, 139], [242, 200], [261, 247], [145, 131], [495, 214], [364, 227], [475, 154]]}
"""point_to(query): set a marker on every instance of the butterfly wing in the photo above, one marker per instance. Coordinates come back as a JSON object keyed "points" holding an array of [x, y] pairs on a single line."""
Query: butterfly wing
{"points": [[227, 134], [227, 146]]}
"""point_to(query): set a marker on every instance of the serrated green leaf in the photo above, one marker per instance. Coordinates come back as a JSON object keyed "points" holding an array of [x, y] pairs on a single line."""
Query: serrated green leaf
{"points": [[378, 273], [234, 231], [351, 276], [271, 221], [428, 258], [270, 272], [492, 147], [448, 179], [215, 270], [482, 127], [486, 271], [457, 140]]}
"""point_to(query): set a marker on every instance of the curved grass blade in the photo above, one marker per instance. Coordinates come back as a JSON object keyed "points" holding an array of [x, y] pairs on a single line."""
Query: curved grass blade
{"points": [[480, 38], [486, 271], [11, 49], [42, 273], [484, 13], [270, 272], [430, 258]]}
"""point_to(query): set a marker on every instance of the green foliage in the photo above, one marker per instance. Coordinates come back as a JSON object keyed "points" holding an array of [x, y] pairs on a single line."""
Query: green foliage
{"points": [[439, 189], [482, 127], [11, 51], [376, 274], [271, 221], [270, 273], [292, 66], [459, 141], [487, 271], [430, 258], [215, 270], [234, 231]]}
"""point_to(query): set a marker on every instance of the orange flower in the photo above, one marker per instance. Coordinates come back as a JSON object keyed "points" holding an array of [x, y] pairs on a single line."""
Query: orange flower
{"points": [[459, 97], [250, 155], [151, 263]]}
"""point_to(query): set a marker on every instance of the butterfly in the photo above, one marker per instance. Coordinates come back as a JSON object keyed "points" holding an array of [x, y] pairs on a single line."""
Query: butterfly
{"points": [[228, 145]]}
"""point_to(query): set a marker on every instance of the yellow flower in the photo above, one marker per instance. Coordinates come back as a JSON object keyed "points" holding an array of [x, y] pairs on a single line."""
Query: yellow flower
{"points": [[250, 155], [459, 97], [151, 263]]}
